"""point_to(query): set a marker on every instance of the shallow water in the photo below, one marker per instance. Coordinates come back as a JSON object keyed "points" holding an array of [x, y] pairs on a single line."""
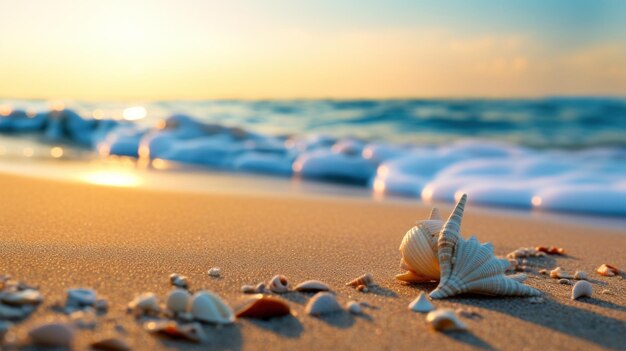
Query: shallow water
{"points": [[549, 154]]}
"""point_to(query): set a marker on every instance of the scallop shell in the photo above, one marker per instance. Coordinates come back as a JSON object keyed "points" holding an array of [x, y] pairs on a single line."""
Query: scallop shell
{"points": [[366, 279], [206, 306], [111, 344], [418, 250], [178, 300], [312, 286], [52, 334], [467, 266], [264, 307], [279, 284], [354, 307], [445, 320], [421, 304], [582, 289], [322, 303]]}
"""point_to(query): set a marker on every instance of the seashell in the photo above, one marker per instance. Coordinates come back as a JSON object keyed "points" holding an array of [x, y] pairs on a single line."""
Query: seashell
{"points": [[208, 307], [520, 277], [607, 270], [248, 289], [419, 252], [434, 214], [522, 252], [263, 307], [366, 279], [540, 254], [192, 331], [580, 275], [279, 284], [354, 307], [544, 271], [145, 303], [260, 288], [551, 250], [421, 304], [179, 281], [312, 286], [565, 281], [362, 288], [558, 272], [606, 292], [22, 297], [111, 344], [582, 289], [468, 266], [11, 312], [81, 297], [178, 300], [52, 334], [445, 320], [322, 303], [215, 272]]}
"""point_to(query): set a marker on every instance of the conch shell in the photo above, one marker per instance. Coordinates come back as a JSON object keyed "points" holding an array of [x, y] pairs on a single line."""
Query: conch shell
{"points": [[461, 266]]}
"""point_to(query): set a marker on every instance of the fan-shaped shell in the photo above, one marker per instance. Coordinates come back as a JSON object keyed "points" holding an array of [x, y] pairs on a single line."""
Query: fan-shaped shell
{"points": [[418, 250], [208, 307]]}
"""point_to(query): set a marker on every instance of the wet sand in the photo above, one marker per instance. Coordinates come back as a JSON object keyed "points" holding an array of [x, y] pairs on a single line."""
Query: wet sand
{"points": [[122, 242]]}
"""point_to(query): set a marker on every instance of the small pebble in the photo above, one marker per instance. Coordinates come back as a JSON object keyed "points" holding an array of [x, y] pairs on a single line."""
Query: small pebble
{"points": [[215, 272], [52, 334], [565, 281]]}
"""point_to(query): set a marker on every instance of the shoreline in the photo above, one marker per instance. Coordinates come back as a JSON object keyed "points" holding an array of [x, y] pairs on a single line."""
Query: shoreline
{"points": [[123, 242]]}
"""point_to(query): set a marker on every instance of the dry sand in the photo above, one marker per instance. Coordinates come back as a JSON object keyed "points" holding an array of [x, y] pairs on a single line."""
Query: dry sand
{"points": [[126, 241]]}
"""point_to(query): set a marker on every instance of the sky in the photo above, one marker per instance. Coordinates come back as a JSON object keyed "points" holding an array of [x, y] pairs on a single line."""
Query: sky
{"points": [[204, 49]]}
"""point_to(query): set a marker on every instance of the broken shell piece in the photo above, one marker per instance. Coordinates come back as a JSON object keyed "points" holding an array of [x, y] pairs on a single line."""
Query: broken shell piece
{"points": [[179, 281], [362, 288], [279, 284], [81, 297], [582, 289], [551, 250], [366, 279], [22, 297], [579, 275], [145, 303], [52, 334], [322, 303], [607, 270], [312, 286], [445, 320], [177, 300], [111, 344], [215, 272], [606, 292], [558, 272], [192, 331], [565, 281], [208, 307], [264, 307], [421, 304], [354, 307]]}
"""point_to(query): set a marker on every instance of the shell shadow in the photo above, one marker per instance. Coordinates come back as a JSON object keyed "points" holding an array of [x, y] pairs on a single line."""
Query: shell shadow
{"points": [[470, 339], [287, 326], [381, 291], [606, 332], [341, 320], [218, 338], [297, 297], [602, 303]]}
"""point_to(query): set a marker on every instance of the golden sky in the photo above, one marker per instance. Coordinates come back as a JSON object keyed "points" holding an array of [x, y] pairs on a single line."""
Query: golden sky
{"points": [[197, 49]]}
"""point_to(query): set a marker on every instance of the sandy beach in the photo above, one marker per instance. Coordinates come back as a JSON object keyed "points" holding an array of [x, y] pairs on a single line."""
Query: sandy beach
{"points": [[123, 242]]}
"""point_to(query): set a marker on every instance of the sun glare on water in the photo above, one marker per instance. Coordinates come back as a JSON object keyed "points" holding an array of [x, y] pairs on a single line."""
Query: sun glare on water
{"points": [[134, 113], [111, 178]]}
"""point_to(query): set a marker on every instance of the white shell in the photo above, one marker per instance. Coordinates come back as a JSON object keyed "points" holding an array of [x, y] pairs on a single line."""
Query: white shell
{"points": [[208, 307], [145, 303], [421, 304], [354, 307], [279, 284], [469, 266], [366, 280], [322, 303], [582, 289], [52, 334], [178, 300], [312, 286], [215, 272], [21, 297], [444, 320], [81, 297], [580, 275]]}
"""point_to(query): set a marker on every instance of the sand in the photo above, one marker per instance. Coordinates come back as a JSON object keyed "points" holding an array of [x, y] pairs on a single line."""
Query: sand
{"points": [[122, 242]]}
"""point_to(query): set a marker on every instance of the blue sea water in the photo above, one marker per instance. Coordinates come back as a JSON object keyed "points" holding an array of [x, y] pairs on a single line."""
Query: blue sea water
{"points": [[561, 154]]}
